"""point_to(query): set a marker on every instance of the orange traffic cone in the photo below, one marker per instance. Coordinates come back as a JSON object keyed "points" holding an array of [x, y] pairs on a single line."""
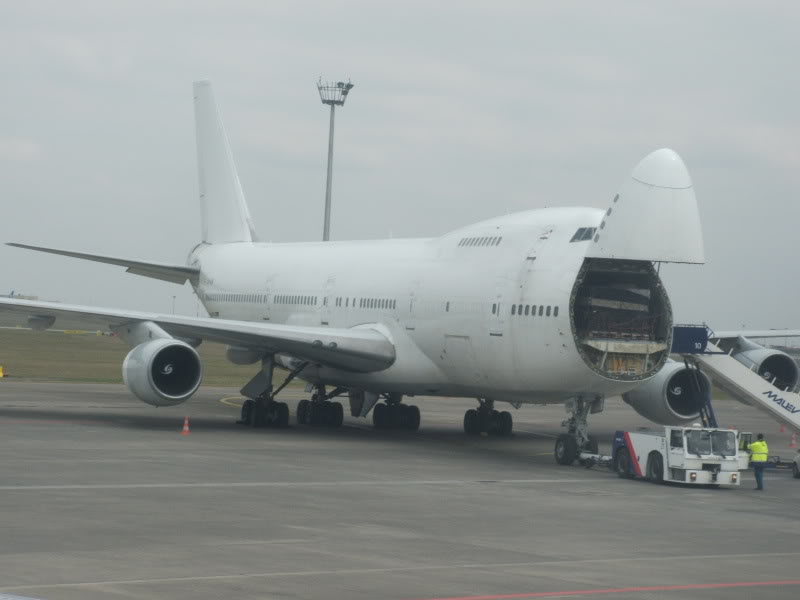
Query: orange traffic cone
{"points": [[793, 443], [185, 430], [782, 429]]}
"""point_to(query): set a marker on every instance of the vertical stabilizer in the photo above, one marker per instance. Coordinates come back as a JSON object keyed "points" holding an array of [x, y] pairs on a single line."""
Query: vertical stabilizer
{"points": [[654, 217], [225, 214]]}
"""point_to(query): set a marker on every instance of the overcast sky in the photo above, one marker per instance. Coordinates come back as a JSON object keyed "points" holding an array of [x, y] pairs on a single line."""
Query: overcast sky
{"points": [[461, 111]]}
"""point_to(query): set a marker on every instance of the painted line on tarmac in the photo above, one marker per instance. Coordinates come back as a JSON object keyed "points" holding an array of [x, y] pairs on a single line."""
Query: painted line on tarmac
{"points": [[456, 567], [229, 401], [550, 435], [275, 484], [629, 590]]}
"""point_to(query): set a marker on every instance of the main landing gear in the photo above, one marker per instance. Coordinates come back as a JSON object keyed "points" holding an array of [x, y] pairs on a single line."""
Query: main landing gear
{"points": [[485, 419], [261, 409], [320, 410], [394, 415], [577, 439]]}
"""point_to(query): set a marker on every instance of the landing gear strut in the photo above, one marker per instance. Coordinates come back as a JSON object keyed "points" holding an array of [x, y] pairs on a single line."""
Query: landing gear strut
{"points": [[394, 415], [261, 409], [577, 439], [320, 410], [485, 419]]}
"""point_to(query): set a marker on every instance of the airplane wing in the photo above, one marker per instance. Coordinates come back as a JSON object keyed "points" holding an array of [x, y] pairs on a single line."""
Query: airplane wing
{"points": [[360, 349], [166, 272], [762, 333]]}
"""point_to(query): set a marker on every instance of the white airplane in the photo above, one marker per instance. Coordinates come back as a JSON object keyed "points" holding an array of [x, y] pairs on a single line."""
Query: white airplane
{"points": [[559, 305]]}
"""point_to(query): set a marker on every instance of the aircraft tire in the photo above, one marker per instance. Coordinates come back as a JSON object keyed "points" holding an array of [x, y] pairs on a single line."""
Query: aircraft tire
{"points": [[472, 422], [505, 423], [302, 412], [335, 414], [247, 411], [412, 417], [281, 415], [379, 416], [566, 449]]}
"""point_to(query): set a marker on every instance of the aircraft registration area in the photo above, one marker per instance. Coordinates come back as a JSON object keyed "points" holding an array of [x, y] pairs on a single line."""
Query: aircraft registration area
{"points": [[545, 311]]}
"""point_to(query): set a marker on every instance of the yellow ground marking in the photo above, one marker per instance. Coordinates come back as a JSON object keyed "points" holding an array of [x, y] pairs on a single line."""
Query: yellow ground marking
{"points": [[229, 401]]}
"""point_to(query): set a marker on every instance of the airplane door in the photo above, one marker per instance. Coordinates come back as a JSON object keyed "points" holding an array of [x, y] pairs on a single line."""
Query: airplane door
{"points": [[267, 299], [497, 318], [413, 306], [327, 301], [529, 266]]}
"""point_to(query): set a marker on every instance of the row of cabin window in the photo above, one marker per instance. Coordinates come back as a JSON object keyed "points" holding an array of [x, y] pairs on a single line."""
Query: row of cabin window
{"points": [[380, 303], [255, 298], [291, 299], [528, 309], [481, 241]]}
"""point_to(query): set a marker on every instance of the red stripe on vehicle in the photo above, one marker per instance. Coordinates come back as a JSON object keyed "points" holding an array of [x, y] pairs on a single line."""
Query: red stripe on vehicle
{"points": [[636, 468]]}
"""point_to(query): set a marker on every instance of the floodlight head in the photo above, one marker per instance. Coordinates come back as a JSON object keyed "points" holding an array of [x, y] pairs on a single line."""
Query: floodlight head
{"points": [[334, 94]]}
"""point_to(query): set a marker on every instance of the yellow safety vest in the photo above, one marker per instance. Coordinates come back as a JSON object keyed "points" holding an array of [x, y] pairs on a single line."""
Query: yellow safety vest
{"points": [[758, 451]]}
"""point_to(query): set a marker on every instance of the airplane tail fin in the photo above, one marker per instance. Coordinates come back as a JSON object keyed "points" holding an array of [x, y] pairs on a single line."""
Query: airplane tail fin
{"points": [[654, 217], [226, 217]]}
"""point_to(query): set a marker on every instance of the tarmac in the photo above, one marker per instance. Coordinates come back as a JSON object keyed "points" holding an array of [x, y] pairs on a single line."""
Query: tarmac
{"points": [[102, 497]]}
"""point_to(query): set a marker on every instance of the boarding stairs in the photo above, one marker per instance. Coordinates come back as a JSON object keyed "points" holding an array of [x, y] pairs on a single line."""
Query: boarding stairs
{"points": [[747, 386]]}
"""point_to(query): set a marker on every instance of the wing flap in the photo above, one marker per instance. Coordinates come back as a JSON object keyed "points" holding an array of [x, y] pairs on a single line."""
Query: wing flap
{"points": [[360, 349]]}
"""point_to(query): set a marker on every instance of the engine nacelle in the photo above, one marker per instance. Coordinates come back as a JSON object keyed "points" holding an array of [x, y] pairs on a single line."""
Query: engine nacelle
{"points": [[770, 364], [671, 397], [239, 355], [162, 372]]}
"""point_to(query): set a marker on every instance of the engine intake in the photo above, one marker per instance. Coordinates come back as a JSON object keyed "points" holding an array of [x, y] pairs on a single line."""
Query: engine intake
{"points": [[163, 372], [672, 396], [773, 365]]}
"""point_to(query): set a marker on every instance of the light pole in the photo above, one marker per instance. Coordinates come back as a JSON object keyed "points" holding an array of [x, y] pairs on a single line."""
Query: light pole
{"points": [[173, 305], [332, 94]]}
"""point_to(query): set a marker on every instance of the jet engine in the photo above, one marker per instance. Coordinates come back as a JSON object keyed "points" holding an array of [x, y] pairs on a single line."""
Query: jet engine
{"points": [[162, 372], [769, 363], [672, 396]]}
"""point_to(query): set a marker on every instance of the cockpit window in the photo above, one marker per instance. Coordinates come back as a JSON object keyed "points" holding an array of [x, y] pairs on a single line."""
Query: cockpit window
{"points": [[583, 234]]}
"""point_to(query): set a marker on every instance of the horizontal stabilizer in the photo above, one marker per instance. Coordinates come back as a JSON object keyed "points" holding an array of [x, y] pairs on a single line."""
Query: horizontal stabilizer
{"points": [[654, 217], [173, 273]]}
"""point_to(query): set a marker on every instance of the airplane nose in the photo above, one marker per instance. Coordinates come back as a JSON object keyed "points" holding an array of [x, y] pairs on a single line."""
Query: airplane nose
{"points": [[663, 168]]}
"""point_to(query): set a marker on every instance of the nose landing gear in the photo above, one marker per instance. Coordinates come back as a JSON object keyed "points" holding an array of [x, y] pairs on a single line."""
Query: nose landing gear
{"points": [[569, 445]]}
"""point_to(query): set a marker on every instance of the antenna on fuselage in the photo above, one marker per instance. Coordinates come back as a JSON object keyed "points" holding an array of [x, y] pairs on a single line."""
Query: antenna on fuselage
{"points": [[332, 94]]}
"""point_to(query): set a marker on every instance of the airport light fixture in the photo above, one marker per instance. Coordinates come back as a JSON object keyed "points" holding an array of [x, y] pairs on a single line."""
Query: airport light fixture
{"points": [[332, 94]]}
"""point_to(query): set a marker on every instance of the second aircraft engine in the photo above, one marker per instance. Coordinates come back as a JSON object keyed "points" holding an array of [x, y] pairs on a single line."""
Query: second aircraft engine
{"points": [[671, 397], [162, 372], [773, 365]]}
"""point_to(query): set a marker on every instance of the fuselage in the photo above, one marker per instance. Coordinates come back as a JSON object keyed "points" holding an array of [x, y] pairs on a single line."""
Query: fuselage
{"points": [[506, 309]]}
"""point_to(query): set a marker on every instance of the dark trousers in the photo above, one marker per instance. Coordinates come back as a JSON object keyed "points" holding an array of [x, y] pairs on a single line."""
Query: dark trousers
{"points": [[758, 471]]}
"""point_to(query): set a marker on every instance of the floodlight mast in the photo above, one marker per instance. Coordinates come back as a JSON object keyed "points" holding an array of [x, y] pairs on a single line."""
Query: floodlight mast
{"points": [[332, 94]]}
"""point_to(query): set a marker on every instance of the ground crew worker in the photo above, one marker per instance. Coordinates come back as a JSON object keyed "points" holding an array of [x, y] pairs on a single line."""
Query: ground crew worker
{"points": [[758, 458]]}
